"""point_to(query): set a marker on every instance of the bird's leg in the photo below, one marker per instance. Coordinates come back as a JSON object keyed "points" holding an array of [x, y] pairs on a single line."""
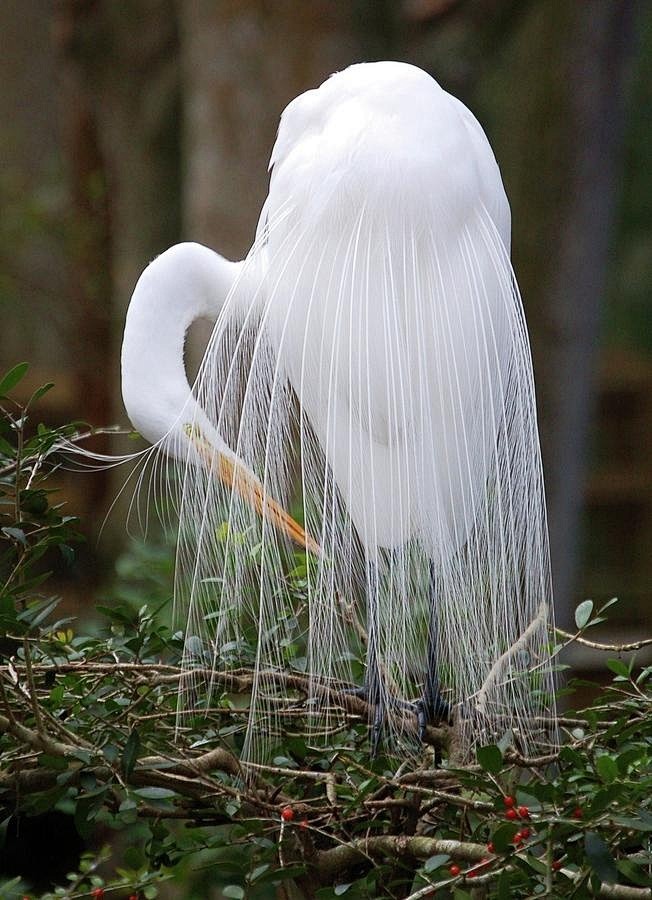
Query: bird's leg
{"points": [[373, 682], [431, 707], [372, 689]]}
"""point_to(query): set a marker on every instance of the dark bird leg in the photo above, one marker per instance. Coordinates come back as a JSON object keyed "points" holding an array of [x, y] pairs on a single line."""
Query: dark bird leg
{"points": [[431, 707], [372, 690], [373, 680]]}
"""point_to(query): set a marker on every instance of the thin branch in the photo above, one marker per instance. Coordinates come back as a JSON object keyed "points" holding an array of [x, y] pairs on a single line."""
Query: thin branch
{"points": [[500, 663], [198, 765], [515, 758], [610, 648], [5, 699], [615, 891], [241, 682], [38, 741]]}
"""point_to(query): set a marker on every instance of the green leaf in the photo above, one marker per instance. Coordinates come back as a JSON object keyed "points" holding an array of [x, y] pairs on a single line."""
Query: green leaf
{"points": [[86, 810], [233, 890], [6, 449], [604, 798], [34, 502], [644, 675], [434, 862], [16, 534], [134, 857], [340, 889], [81, 754], [635, 824], [130, 753], [583, 613], [606, 605], [490, 758], [154, 793], [607, 768], [618, 667], [287, 873], [39, 611], [630, 758], [55, 763], [40, 392], [634, 873], [600, 859], [504, 888], [502, 836], [258, 872], [12, 377]]}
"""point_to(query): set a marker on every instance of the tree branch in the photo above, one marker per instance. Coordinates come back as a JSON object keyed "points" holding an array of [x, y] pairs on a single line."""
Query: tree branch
{"points": [[596, 645], [498, 666], [332, 863]]}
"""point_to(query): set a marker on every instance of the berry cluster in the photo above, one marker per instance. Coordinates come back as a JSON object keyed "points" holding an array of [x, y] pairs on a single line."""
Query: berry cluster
{"points": [[513, 813]]}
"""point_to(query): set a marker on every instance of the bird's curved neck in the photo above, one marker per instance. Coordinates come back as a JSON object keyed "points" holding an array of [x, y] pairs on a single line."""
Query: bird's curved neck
{"points": [[185, 283]]}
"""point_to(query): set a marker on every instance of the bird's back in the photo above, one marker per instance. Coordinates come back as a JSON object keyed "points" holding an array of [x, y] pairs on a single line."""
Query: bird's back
{"points": [[384, 316]]}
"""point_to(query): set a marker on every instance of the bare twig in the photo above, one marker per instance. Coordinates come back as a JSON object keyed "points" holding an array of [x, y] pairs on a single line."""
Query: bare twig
{"points": [[5, 699], [500, 663], [197, 765], [610, 648]]}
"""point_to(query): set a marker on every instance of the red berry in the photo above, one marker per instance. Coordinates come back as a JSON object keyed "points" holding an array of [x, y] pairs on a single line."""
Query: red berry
{"points": [[287, 813], [511, 814], [303, 823], [524, 812], [556, 864], [133, 896], [490, 847], [97, 892], [471, 873], [525, 833], [509, 801], [518, 837], [578, 812], [454, 870]]}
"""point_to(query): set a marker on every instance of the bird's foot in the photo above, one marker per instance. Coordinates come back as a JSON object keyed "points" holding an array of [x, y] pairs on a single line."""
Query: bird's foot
{"points": [[377, 720], [430, 710]]}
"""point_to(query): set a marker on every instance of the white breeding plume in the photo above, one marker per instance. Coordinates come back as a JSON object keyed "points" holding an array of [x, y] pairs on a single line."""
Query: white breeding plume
{"points": [[370, 363]]}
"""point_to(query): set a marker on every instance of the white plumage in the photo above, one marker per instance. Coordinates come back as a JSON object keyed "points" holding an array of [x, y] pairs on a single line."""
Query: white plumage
{"points": [[372, 351]]}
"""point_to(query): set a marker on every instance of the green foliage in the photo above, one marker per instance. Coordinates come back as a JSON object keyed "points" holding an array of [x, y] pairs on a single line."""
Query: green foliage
{"points": [[33, 525], [88, 727]]}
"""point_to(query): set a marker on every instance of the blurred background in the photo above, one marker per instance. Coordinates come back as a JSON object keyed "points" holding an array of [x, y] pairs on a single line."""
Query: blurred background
{"points": [[126, 127]]}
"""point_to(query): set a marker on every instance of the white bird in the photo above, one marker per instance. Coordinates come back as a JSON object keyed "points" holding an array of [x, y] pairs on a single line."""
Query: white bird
{"points": [[369, 356]]}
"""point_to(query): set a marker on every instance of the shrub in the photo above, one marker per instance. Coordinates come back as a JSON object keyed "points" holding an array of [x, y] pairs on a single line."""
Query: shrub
{"points": [[88, 730]]}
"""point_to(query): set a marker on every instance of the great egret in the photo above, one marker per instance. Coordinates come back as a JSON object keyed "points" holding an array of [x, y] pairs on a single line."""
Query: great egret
{"points": [[371, 349]]}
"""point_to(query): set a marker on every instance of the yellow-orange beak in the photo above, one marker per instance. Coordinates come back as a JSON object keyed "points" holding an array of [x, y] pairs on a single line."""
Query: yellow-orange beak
{"points": [[236, 476]]}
